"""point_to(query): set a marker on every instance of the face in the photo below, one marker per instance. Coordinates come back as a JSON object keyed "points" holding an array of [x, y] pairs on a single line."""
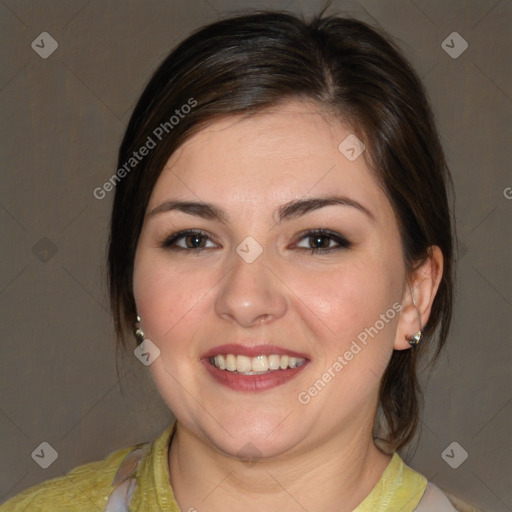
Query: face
{"points": [[255, 284]]}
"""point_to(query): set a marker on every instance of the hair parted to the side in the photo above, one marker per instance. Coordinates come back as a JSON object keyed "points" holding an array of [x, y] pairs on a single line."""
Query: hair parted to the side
{"points": [[247, 63]]}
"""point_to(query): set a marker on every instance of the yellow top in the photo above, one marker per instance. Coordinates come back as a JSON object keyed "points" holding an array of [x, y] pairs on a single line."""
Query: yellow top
{"points": [[86, 488]]}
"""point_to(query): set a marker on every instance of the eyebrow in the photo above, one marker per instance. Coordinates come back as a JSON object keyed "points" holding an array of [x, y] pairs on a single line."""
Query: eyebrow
{"points": [[285, 212]]}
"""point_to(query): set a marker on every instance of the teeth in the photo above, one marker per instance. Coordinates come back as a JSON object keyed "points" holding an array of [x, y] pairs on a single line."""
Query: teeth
{"points": [[221, 361], [273, 362], [243, 364], [230, 362], [259, 364], [255, 365]]}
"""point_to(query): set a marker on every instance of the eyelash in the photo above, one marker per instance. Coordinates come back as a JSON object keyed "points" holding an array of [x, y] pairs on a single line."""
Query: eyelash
{"points": [[170, 241]]}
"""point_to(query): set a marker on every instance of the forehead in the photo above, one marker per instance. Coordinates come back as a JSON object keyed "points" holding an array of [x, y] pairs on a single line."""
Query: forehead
{"points": [[279, 154]]}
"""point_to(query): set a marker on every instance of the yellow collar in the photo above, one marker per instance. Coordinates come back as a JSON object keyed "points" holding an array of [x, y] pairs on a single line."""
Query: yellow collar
{"points": [[399, 488]]}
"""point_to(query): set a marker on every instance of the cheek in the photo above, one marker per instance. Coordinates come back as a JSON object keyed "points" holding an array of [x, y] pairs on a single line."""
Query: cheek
{"points": [[353, 312], [169, 299], [350, 298]]}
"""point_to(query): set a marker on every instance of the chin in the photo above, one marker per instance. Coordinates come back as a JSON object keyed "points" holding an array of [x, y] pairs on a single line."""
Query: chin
{"points": [[251, 436]]}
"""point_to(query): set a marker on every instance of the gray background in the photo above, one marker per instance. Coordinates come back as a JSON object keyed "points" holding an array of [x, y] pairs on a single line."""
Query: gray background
{"points": [[63, 118]]}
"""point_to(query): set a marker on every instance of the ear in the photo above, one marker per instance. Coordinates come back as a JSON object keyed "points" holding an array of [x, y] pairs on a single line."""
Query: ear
{"points": [[421, 287]]}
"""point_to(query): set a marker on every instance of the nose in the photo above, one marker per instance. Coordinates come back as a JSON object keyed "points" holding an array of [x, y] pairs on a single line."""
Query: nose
{"points": [[251, 294]]}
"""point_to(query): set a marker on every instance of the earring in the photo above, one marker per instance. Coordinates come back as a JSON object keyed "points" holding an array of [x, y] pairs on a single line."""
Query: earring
{"points": [[139, 334], [415, 339]]}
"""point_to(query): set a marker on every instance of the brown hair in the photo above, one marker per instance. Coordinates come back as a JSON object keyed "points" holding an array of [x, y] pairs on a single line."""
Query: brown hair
{"points": [[250, 62]]}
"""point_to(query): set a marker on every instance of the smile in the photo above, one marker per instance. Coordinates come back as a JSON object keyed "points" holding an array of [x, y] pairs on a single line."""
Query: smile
{"points": [[258, 365], [253, 368]]}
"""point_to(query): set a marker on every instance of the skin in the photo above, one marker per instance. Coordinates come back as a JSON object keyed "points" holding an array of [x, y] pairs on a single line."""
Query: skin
{"points": [[319, 456]]}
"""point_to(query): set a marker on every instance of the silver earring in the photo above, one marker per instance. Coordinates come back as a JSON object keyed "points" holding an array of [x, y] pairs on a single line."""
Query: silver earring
{"points": [[139, 334], [415, 339]]}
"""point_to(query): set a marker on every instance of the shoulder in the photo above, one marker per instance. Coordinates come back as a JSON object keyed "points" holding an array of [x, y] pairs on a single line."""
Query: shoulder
{"points": [[435, 500], [84, 488]]}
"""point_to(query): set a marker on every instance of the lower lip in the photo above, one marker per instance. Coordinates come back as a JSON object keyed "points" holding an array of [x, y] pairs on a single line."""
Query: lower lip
{"points": [[239, 382]]}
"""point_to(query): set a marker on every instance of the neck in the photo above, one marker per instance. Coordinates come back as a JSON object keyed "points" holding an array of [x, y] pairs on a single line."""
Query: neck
{"points": [[336, 475]]}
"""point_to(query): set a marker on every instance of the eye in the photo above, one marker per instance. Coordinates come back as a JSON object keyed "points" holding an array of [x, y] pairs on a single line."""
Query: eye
{"points": [[193, 239], [322, 239], [196, 240]]}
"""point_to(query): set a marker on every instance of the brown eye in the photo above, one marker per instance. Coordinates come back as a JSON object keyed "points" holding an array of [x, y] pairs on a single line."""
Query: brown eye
{"points": [[193, 240], [320, 241]]}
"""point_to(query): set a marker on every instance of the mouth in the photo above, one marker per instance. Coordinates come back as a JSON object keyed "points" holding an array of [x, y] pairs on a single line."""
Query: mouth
{"points": [[252, 369]]}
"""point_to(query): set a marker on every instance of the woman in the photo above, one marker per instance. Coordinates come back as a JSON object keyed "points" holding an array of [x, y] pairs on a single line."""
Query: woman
{"points": [[281, 247]]}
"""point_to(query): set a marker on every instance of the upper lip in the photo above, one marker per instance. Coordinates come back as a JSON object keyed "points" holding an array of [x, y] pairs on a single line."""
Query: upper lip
{"points": [[251, 350]]}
